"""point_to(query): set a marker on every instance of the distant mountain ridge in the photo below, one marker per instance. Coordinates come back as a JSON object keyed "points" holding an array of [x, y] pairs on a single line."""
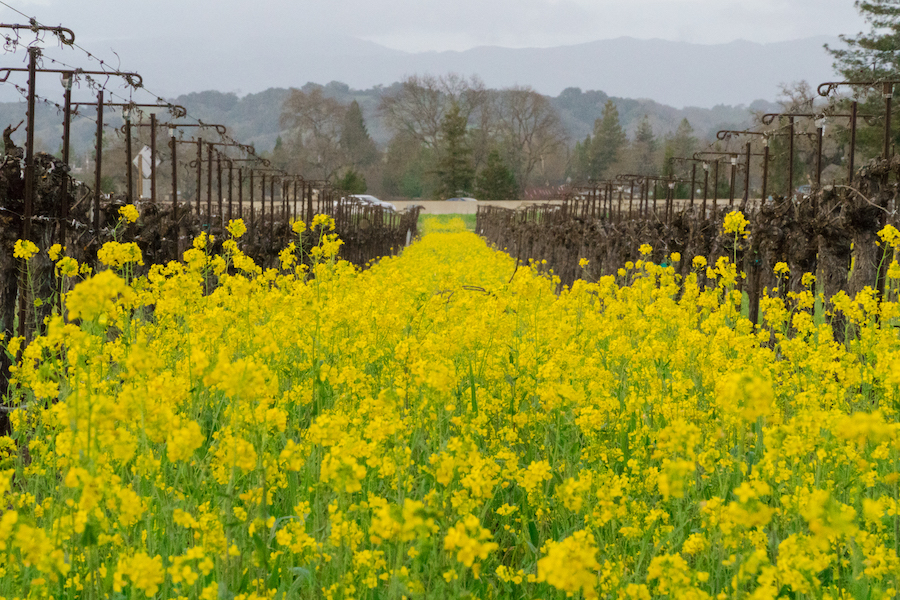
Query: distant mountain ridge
{"points": [[678, 74]]}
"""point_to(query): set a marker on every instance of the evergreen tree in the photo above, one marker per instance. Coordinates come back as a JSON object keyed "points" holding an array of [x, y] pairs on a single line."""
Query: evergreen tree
{"points": [[281, 158], [644, 149], [683, 141], [407, 170], [355, 139], [454, 167], [680, 144], [352, 182], [580, 163], [871, 56], [496, 181], [609, 139]]}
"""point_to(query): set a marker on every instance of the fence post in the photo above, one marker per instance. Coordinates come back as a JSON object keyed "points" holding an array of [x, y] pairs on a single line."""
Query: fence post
{"points": [[230, 189], [153, 158], [199, 174], [98, 160], [174, 143], [209, 170], [240, 192], [252, 210], [790, 190], [853, 109], [64, 188], [262, 200], [129, 178], [219, 200]]}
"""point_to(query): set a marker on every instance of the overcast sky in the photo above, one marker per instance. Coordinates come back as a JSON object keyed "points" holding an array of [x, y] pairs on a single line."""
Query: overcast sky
{"points": [[422, 25]]}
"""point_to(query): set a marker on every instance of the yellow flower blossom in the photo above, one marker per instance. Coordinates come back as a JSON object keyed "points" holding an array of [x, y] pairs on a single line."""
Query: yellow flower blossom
{"points": [[129, 213], [24, 249]]}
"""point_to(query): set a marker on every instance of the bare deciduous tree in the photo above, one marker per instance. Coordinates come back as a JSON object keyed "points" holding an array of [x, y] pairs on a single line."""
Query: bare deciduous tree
{"points": [[530, 128], [315, 122], [421, 102]]}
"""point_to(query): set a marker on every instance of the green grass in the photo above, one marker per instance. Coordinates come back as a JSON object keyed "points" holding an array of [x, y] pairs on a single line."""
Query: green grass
{"points": [[469, 220]]}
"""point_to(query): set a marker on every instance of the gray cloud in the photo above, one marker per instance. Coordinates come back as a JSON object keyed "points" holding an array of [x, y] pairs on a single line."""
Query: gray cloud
{"points": [[420, 25]]}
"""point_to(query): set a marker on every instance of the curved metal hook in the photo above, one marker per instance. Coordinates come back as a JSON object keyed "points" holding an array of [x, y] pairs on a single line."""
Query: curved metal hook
{"points": [[6, 75], [872, 119], [826, 88], [66, 36], [131, 77], [177, 110], [193, 164], [723, 135], [768, 118]]}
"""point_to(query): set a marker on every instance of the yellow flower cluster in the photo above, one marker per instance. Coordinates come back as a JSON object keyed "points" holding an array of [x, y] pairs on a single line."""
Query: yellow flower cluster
{"points": [[236, 228], [571, 565], [736, 224], [24, 249], [117, 254], [129, 213], [431, 427]]}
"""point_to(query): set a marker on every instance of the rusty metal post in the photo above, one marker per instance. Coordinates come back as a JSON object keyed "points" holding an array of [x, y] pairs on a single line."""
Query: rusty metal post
{"points": [[746, 179], [174, 144], [670, 200], [888, 93], [209, 170], [646, 211], [199, 173], [850, 159], [693, 182], [33, 54], [602, 194], [295, 198], [731, 185], [631, 201], [262, 198], [129, 168], [309, 205], [820, 131], [153, 158], [272, 202], [790, 190], [619, 215], [98, 162], [67, 129], [610, 196], [240, 192], [765, 175], [705, 187], [715, 199], [219, 190], [272, 207], [252, 208], [230, 189]]}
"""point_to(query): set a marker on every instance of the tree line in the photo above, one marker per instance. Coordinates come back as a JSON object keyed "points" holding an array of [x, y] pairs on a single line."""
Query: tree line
{"points": [[452, 136]]}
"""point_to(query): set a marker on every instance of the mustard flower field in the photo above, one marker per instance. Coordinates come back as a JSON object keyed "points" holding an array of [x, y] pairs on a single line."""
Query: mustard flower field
{"points": [[447, 425]]}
